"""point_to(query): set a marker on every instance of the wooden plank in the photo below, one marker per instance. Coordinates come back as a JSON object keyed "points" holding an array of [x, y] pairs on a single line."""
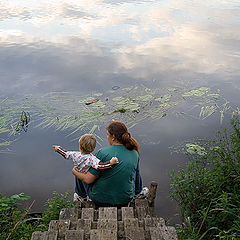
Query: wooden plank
{"points": [[155, 233], [38, 235], [142, 213], [52, 235], [74, 235], [127, 212], [110, 224], [172, 234], [69, 213], [152, 193], [163, 228], [84, 224], [150, 222], [103, 234], [107, 213], [134, 233], [141, 203], [53, 225], [63, 225], [87, 213], [130, 223]]}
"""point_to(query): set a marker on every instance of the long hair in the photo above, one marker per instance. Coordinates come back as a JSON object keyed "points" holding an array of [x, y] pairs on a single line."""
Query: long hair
{"points": [[120, 132]]}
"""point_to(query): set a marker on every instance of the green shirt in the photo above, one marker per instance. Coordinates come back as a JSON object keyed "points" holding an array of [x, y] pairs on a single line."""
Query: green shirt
{"points": [[115, 186]]}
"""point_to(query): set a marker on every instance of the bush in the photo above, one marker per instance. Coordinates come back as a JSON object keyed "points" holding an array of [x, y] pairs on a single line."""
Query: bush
{"points": [[208, 190], [54, 206], [13, 224]]}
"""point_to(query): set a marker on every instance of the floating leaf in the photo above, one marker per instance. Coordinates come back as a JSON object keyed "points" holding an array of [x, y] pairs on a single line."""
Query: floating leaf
{"points": [[86, 100], [117, 99], [97, 94], [172, 89], [195, 149], [196, 92], [164, 98], [144, 98], [99, 104]]}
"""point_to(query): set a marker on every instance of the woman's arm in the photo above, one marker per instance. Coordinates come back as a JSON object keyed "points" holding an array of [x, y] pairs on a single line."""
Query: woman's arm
{"points": [[85, 177]]}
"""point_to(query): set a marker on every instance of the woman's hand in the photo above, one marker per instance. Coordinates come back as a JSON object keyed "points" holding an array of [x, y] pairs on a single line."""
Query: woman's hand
{"points": [[85, 177]]}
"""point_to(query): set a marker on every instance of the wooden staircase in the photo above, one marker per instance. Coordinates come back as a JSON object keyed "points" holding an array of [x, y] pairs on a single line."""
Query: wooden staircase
{"points": [[137, 221]]}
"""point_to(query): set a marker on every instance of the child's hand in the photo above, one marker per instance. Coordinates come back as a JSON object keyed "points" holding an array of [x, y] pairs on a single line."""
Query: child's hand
{"points": [[114, 160], [55, 147]]}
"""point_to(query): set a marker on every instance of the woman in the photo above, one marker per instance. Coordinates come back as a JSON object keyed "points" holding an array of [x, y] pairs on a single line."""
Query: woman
{"points": [[118, 185]]}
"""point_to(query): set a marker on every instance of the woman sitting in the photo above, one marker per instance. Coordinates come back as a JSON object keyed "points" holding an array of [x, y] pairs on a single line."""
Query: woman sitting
{"points": [[118, 185]]}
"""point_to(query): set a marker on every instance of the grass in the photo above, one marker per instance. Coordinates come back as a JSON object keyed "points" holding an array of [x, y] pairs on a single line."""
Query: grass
{"points": [[14, 222], [208, 189]]}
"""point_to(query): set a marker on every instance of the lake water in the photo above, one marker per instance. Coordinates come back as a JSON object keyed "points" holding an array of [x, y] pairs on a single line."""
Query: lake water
{"points": [[104, 46]]}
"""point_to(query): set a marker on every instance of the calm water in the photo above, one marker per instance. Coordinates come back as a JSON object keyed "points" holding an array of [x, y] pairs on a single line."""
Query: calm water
{"points": [[88, 46]]}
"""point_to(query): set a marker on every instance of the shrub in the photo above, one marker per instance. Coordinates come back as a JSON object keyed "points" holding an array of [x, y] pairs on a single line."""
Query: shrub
{"points": [[13, 224], [208, 190]]}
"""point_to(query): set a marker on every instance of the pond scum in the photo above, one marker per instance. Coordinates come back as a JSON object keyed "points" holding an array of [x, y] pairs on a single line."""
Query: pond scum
{"points": [[133, 105]]}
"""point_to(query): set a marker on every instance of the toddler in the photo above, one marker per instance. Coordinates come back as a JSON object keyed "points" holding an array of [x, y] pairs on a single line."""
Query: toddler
{"points": [[84, 159]]}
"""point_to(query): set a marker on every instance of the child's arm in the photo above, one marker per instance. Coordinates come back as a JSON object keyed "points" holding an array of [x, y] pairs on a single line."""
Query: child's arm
{"points": [[97, 164], [60, 150]]}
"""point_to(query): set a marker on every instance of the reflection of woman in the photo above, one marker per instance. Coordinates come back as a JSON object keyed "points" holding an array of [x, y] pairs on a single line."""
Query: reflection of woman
{"points": [[118, 185]]}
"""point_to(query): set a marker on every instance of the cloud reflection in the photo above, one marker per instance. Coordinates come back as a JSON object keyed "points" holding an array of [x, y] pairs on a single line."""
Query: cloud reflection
{"points": [[101, 40]]}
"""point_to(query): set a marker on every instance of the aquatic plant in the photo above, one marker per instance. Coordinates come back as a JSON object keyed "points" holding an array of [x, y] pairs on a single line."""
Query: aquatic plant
{"points": [[65, 111], [207, 189]]}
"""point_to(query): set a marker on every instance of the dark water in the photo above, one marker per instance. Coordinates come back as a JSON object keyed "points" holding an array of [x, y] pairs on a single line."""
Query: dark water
{"points": [[91, 46]]}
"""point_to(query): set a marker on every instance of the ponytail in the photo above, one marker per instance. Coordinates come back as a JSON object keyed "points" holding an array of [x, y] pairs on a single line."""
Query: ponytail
{"points": [[120, 131]]}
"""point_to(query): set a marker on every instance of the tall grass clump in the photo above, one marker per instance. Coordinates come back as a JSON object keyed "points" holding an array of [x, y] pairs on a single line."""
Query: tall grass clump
{"points": [[17, 224], [208, 189]]}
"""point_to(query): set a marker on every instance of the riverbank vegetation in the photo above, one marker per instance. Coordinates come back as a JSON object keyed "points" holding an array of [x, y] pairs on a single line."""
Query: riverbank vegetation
{"points": [[17, 224], [208, 189]]}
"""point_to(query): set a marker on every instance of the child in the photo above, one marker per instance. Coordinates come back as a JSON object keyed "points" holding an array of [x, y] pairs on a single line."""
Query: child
{"points": [[84, 159]]}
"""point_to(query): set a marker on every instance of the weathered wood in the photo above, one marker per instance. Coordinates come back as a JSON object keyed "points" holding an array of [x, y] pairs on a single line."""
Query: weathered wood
{"points": [[107, 213], [134, 233], [142, 213], [110, 224], [137, 221], [164, 229], [103, 234], [38, 236], [87, 213], [84, 224], [130, 223], [150, 222], [172, 234], [127, 212], [155, 233], [69, 213], [53, 225], [74, 235], [51, 235], [152, 193], [141, 203]]}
